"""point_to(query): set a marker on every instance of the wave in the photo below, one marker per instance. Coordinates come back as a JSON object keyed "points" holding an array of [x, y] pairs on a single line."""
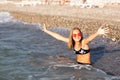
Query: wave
{"points": [[71, 71], [5, 17]]}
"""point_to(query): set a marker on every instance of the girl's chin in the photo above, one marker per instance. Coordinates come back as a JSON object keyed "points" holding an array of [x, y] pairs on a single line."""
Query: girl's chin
{"points": [[77, 40]]}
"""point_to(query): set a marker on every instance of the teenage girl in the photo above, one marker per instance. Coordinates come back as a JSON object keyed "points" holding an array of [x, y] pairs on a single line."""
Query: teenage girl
{"points": [[77, 43]]}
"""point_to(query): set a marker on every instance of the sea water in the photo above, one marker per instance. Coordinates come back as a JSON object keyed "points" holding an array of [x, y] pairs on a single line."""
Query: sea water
{"points": [[27, 53]]}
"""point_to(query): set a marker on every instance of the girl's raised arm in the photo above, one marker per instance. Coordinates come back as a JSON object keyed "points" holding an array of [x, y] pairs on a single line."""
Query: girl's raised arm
{"points": [[55, 35], [101, 31]]}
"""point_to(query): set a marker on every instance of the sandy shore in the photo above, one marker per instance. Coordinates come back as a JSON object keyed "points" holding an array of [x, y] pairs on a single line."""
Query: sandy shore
{"points": [[88, 19]]}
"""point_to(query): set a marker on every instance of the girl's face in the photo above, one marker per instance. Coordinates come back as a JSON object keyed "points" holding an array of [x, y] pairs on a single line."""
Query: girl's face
{"points": [[76, 35]]}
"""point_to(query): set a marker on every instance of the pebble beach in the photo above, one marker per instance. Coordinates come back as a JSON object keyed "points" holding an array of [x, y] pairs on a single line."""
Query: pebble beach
{"points": [[88, 19]]}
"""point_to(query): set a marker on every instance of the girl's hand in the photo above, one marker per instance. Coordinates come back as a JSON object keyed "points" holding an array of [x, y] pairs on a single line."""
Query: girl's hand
{"points": [[103, 31], [44, 27]]}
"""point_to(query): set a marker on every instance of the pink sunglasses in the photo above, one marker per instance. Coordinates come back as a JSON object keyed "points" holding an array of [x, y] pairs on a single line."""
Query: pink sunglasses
{"points": [[78, 34]]}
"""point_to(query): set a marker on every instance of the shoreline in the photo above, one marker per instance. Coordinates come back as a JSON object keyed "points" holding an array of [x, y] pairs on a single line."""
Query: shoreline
{"points": [[57, 16], [87, 26]]}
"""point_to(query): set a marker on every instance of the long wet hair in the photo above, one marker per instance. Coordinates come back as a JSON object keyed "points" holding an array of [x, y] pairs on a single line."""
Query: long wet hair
{"points": [[71, 42]]}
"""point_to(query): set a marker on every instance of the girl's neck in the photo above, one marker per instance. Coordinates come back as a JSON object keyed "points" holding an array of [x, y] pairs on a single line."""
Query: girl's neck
{"points": [[77, 43]]}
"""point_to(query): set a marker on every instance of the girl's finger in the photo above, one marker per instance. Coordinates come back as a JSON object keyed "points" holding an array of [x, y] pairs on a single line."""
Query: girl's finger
{"points": [[44, 25]]}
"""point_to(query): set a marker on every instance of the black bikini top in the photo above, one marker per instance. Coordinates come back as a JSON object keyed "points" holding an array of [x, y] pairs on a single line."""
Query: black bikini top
{"points": [[82, 51]]}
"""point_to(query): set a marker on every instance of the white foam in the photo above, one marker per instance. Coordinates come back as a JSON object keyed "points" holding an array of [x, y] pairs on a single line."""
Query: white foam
{"points": [[93, 70], [5, 17], [75, 66], [113, 78]]}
